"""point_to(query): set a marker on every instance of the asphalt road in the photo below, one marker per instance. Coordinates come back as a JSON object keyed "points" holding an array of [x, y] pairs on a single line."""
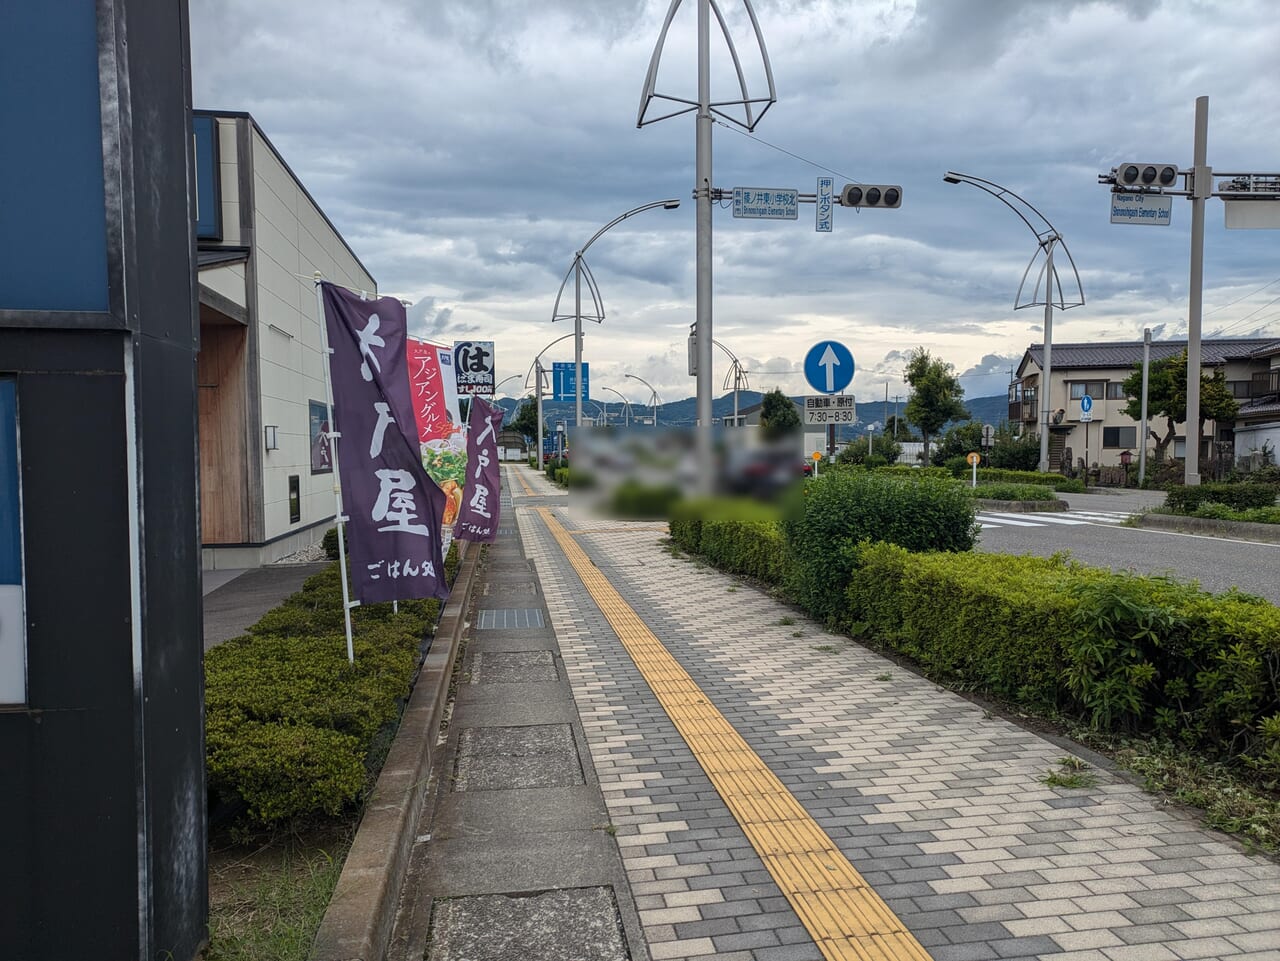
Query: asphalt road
{"points": [[1217, 563]]}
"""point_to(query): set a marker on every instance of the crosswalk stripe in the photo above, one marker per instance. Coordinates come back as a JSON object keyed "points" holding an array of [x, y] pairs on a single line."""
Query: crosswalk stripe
{"points": [[1003, 521], [1038, 518]]}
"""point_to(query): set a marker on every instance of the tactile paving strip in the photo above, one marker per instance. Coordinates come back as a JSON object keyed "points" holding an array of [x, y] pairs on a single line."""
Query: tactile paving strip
{"points": [[847, 919]]}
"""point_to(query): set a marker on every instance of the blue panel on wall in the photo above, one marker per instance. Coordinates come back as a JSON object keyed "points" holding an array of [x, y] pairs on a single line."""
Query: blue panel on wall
{"points": [[52, 218], [208, 194], [10, 519]]}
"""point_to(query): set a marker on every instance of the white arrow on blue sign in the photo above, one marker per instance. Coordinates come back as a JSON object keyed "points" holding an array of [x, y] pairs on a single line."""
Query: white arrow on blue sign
{"points": [[828, 367]]}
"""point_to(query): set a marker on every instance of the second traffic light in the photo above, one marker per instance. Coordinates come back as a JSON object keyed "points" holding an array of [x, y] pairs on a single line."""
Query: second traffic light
{"points": [[1146, 175], [871, 195]]}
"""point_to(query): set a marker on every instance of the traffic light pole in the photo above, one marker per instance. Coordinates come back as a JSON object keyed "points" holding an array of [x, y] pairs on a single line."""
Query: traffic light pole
{"points": [[1201, 187]]}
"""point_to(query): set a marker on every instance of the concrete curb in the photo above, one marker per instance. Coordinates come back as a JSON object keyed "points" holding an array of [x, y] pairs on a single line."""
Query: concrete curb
{"points": [[1244, 530], [1021, 507], [357, 924]]}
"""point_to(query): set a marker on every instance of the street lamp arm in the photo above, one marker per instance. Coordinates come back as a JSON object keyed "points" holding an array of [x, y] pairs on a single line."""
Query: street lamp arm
{"points": [[503, 381], [646, 383], [579, 262], [1001, 194], [671, 204], [538, 357]]}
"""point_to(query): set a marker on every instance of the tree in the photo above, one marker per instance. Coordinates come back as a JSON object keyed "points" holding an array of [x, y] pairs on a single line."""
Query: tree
{"points": [[958, 441], [1167, 398], [778, 416], [884, 450], [1013, 451], [898, 428], [935, 394], [526, 419]]}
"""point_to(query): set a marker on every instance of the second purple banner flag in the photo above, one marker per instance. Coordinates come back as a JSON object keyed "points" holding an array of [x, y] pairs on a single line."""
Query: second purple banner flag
{"points": [[478, 518], [393, 507]]}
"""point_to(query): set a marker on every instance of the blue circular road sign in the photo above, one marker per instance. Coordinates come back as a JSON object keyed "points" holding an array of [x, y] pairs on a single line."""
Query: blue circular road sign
{"points": [[828, 367], [1086, 403]]}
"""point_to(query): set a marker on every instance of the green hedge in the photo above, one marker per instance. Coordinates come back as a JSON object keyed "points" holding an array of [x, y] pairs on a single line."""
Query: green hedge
{"points": [[289, 723], [1128, 653], [1069, 485], [1254, 515], [1012, 492], [739, 535], [906, 470], [1185, 500], [633, 499], [830, 514]]}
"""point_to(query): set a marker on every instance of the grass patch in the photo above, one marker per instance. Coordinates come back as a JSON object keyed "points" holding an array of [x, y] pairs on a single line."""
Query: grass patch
{"points": [[1070, 779], [266, 903], [886, 676], [784, 622], [825, 648]]}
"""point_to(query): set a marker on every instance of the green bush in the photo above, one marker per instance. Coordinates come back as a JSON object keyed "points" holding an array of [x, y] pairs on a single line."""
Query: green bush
{"points": [[957, 466], [289, 722], [1070, 485], [330, 543], [1012, 492], [830, 514], [1126, 653], [905, 470], [1185, 500], [739, 535], [636, 500]]}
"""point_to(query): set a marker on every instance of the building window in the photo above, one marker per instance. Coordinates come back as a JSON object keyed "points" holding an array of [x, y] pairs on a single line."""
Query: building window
{"points": [[1081, 387], [1239, 388], [1115, 390], [1120, 437]]}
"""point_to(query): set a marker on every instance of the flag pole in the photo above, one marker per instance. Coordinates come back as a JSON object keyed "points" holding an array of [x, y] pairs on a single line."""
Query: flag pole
{"points": [[337, 477]]}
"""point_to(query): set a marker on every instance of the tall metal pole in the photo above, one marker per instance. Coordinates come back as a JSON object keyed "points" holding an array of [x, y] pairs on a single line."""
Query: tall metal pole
{"points": [[1048, 355], [1142, 441], [702, 191], [1201, 188], [537, 372], [577, 339]]}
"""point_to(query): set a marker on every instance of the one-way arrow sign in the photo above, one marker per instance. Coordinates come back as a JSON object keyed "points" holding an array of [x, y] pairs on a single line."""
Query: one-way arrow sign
{"points": [[828, 367]]}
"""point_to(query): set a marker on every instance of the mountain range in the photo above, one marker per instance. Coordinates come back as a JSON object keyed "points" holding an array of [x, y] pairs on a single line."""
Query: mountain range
{"points": [[683, 413]]}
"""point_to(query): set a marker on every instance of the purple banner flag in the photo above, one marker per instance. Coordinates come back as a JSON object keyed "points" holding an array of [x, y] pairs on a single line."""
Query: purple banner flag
{"points": [[478, 518], [394, 509]]}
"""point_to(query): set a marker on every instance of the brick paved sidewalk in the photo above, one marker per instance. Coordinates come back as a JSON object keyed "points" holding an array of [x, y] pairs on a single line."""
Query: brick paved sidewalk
{"points": [[940, 806]]}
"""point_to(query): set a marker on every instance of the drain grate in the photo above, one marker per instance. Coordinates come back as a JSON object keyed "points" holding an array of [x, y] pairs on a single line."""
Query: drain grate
{"points": [[500, 619]]}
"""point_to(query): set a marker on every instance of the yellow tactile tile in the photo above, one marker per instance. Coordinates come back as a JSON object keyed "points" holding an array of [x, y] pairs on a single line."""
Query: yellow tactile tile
{"points": [[844, 915]]}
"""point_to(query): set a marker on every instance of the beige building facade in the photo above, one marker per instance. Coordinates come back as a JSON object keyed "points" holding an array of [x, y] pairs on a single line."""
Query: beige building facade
{"points": [[1098, 371], [266, 476]]}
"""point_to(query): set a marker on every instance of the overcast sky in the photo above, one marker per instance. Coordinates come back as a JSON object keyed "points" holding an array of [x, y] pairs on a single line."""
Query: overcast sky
{"points": [[466, 148]]}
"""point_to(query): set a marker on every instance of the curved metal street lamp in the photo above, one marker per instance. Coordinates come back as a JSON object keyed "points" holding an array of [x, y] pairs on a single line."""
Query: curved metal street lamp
{"points": [[626, 406], [577, 271], [1047, 239], [537, 364], [653, 396]]}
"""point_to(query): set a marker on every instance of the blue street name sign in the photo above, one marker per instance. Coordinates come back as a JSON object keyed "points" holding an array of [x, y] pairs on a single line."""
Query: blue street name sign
{"points": [[828, 367], [563, 381]]}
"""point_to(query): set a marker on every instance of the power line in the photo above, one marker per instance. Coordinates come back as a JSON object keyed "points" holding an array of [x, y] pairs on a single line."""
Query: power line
{"points": [[796, 156]]}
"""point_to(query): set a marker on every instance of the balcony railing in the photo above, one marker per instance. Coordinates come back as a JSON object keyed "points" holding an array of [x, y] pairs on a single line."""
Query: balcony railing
{"points": [[1264, 383], [1022, 404]]}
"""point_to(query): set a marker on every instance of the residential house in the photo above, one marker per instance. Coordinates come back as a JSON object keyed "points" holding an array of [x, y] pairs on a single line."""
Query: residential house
{"points": [[1098, 371]]}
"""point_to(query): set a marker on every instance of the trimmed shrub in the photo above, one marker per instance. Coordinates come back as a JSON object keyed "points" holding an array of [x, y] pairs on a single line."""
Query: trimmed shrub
{"points": [[1124, 652], [330, 543], [832, 513], [1012, 492], [289, 722], [739, 535], [1185, 500], [1069, 485], [906, 470]]}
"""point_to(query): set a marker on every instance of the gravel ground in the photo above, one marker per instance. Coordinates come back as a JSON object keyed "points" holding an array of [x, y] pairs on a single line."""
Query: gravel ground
{"points": [[307, 555]]}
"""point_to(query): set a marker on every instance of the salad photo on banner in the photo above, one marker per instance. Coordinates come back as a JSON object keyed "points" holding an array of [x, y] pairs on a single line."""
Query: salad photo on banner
{"points": [[394, 510], [478, 518], [442, 438]]}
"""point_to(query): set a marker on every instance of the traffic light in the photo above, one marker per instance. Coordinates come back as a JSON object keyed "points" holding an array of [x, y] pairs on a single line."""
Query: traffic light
{"points": [[871, 195], [1146, 175]]}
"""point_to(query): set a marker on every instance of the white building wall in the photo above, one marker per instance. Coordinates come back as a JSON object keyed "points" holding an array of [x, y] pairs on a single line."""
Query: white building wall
{"points": [[292, 240]]}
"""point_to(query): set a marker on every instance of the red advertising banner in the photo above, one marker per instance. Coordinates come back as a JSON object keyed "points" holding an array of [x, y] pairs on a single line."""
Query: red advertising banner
{"points": [[442, 438]]}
